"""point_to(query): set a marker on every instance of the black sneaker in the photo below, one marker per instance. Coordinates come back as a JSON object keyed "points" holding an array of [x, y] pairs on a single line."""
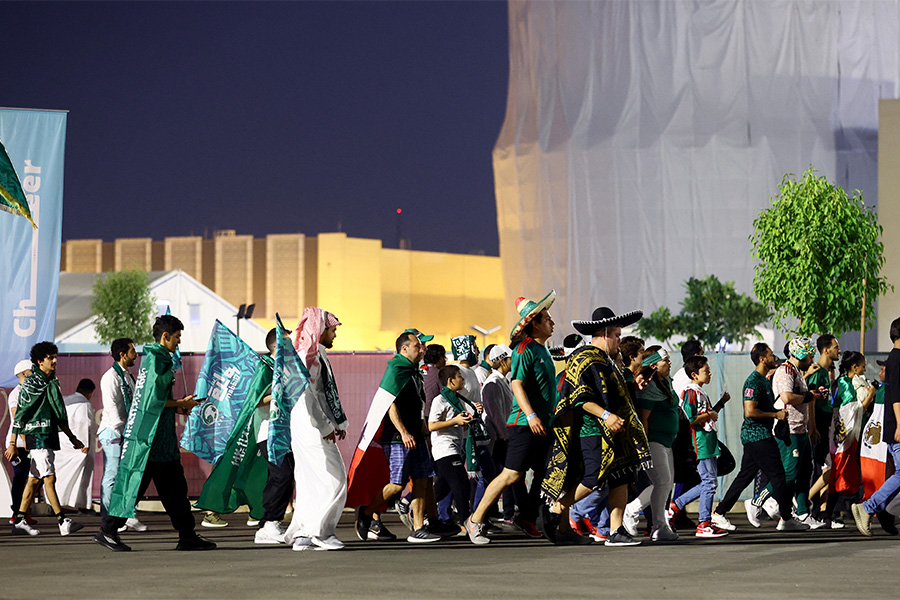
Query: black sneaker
{"points": [[111, 541], [363, 523], [195, 543], [422, 536], [888, 522], [571, 538], [445, 528], [682, 521], [621, 538], [380, 533], [549, 523]]}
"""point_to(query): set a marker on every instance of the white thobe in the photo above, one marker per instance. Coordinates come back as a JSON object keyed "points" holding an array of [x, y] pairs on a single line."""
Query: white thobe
{"points": [[74, 468], [319, 471]]}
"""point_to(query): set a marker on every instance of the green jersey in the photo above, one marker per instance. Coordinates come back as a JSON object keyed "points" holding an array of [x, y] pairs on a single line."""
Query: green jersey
{"points": [[821, 378], [757, 388], [533, 366], [695, 402], [660, 399]]}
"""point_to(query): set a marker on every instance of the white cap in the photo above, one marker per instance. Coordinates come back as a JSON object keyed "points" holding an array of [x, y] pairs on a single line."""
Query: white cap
{"points": [[22, 366], [499, 352]]}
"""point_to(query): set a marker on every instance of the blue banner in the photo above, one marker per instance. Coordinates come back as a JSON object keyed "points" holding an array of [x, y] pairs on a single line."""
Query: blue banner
{"points": [[224, 381], [29, 278], [288, 383]]}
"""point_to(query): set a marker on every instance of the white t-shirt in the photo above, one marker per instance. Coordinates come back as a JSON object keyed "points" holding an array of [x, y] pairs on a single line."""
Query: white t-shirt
{"points": [[451, 440], [680, 382], [472, 390], [13, 402]]}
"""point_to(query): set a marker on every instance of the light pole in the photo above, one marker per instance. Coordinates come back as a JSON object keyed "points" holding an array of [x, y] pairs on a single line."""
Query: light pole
{"points": [[244, 312], [484, 333]]}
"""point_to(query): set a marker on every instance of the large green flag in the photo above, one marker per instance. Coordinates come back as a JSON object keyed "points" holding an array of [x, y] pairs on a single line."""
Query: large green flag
{"points": [[240, 476], [12, 197], [151, 392]]}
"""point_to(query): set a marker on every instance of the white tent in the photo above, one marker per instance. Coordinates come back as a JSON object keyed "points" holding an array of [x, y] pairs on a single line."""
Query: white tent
{"points": [[641, 139], [196, 305]]}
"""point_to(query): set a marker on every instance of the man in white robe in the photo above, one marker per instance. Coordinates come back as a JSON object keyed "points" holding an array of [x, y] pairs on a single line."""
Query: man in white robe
{"points": [[75, 467], [317, 422]]}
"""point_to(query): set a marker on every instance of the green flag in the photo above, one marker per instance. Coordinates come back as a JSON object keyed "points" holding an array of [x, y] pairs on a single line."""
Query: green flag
{"points": [[12, 198], [240, 476], [151, 392]]}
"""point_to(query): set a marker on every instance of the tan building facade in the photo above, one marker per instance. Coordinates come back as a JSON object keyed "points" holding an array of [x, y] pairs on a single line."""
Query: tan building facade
{"points": [[376, 292]]}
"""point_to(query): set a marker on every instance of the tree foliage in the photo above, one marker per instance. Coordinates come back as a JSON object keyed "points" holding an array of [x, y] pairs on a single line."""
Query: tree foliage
{"points": [[815, 246], [123, 307], [710, 311]]}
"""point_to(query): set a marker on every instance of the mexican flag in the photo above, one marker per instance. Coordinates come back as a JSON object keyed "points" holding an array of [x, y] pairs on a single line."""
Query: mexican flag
{"points": [[873, 453], [225, 385], [845, 425], [369, 472], [289, 381], [240, 476]]}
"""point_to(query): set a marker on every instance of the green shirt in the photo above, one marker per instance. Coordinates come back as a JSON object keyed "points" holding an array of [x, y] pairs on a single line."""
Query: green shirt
{"points": [[164, 447], [660, 399], [821, 378], [533, 366], [757, 388], [706, 440]]}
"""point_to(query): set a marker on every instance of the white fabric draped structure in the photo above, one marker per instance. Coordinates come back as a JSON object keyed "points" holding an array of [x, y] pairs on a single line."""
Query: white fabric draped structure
{"points": [[643, 137]]}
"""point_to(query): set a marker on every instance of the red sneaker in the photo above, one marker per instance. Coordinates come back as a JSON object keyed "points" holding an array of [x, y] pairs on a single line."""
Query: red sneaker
{"points": [[527, 527], [708, 530]]}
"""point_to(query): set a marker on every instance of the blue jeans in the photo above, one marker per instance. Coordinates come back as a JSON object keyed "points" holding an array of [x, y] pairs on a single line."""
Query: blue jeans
{"points": [[705, 490], [595, 508], [111, 442], [883, 495]]}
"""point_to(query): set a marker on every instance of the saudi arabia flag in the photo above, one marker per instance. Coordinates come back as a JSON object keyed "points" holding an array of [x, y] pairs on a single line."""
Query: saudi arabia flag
{"points": [[289, 382], [369, 472]]}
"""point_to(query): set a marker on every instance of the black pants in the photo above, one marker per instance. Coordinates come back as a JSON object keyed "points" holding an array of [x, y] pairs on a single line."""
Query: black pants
{"points": [[279, 487], [173, 493], [452, 477], [20, 478], [760, 456]]}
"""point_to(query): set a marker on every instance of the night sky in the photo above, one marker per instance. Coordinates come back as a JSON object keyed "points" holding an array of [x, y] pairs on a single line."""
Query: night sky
{"points": [[270, 117]]}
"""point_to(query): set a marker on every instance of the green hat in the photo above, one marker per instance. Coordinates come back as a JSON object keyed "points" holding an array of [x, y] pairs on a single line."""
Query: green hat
{"points": [[464, 348], [422, 337], [528, 310]]}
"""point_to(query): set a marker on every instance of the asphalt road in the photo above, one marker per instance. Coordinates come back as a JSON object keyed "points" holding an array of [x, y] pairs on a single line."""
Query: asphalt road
{"points": [[750, 563]]}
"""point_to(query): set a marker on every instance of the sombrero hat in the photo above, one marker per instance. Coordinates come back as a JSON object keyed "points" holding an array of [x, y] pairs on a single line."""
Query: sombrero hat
{"points": [[605, 317], [572, 341], [528, 310]]}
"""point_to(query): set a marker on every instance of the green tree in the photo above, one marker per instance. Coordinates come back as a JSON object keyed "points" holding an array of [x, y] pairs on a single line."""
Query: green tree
{"points": [[123, 307], [710, 311], [818, 249]]}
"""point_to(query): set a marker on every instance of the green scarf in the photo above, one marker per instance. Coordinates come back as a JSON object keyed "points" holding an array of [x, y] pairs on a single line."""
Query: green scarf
{"points": [[476, 431], [152, 391], [125, 381], [398, 373], [41, 408], [331, 393]]}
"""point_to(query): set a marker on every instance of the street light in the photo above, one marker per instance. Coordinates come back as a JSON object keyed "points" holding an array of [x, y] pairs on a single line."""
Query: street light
{"points": [[484, 333], [244, 312]]}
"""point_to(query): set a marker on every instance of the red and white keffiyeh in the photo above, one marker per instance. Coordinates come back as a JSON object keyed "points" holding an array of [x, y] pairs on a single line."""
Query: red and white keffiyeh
{"points": [[309, 330]]}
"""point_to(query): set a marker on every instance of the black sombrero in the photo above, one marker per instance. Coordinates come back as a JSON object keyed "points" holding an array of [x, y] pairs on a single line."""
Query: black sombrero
{"points": [[605, 317]]}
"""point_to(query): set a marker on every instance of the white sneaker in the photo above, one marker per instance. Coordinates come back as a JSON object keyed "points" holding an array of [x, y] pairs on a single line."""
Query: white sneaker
{"points": [[793, 524], [23, 527], [251, 522], [69, 526], [329, 543], [630, 522], [810, 520], [722, 522], [301, 544], [270, 533], [752, 513], [770, 509], [132, 524], [837, 524]]}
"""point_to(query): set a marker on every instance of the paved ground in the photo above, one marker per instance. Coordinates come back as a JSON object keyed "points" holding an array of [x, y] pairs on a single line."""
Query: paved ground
{"points": [[751, 563]]}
